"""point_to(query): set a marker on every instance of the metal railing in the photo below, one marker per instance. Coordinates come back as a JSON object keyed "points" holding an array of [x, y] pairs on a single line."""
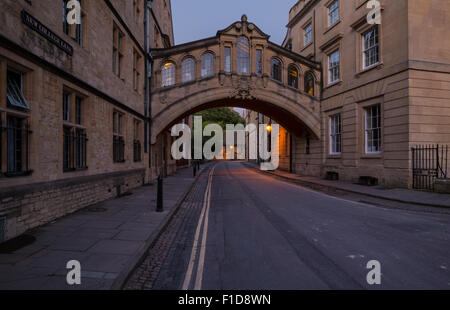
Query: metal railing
{"points": [[137, 151], [16, 140], [75, 150], [429, 163], [118, 149]]}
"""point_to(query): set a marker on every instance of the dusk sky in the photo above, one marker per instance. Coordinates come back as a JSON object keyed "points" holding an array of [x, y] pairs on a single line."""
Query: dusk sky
{"points": [[199, 19]]}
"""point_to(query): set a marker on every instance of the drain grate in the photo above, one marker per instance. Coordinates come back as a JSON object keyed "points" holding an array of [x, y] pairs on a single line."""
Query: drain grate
{"points": [[2, 229]]}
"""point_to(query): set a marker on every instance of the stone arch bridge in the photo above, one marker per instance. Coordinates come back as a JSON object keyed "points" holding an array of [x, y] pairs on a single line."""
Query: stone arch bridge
{"points": [[238, 67]]}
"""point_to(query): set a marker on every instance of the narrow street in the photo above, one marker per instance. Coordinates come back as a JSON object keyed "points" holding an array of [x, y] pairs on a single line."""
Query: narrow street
{"points": [[240, 229]]}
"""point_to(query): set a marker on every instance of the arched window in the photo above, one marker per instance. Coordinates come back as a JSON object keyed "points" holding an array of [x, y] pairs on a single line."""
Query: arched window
{"points": [[243, 55], [168, 74], [293, 77], [276, 69], [309, 83], [188, 70], [207, 65]]}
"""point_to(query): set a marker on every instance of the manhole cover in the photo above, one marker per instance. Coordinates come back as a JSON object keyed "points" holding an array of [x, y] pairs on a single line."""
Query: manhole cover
{"points": [[15, 244]]}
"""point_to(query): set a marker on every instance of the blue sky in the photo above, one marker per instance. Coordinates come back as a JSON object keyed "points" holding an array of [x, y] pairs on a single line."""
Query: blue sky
{"points": [[199, 19]]}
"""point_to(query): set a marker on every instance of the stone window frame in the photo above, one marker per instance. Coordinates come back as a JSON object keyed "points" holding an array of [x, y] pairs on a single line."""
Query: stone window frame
{"points": [[72, 30], [212, 71], [259, 48], [118, 51], [339, 67], [281, 69], [299, 74], [367, 128], [229, 46], [308, 23], [314, 79], [361, 27], [119, 131], [327, 24], [137, 57], [171, 79], [334, 135], [328, 48], [137, 11], [74, 131], [7, 111], [194, 71], [137, 141], [361, 116], [238, 58]]}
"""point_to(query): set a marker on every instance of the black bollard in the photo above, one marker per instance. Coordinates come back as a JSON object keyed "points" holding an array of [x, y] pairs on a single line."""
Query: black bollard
{"points": [[159, 199], [194, 167]]}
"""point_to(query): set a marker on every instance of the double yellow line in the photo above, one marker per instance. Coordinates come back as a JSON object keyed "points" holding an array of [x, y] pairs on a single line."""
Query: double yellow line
{"points": [[202, 222]]}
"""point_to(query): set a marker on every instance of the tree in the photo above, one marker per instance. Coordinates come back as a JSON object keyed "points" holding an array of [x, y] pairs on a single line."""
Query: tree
{"points": [[221, 116]]}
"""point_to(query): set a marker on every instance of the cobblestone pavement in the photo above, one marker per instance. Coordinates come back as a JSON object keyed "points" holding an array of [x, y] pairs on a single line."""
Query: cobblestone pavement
{"points": [[167, 259]]}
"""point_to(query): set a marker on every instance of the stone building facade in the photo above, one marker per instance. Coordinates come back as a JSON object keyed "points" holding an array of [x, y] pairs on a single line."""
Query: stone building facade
{"points": [[385, 88], [74, 105]]}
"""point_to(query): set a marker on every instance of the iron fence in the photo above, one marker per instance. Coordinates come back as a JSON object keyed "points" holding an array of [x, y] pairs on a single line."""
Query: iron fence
{"points": [[429, 163]]}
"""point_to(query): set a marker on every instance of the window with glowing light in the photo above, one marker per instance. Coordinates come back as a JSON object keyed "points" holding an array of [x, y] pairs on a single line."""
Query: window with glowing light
{"points": [[168, 74], [293, 77], [309, 83]]}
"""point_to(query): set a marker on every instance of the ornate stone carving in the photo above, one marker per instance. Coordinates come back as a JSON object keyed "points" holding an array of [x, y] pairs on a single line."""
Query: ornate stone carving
{"points": [[243, 90]]}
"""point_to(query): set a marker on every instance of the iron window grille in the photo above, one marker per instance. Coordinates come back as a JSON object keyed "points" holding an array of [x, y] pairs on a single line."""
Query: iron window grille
{"points": [[118, 149], [137, 151], [75, 149], [17, 133]]}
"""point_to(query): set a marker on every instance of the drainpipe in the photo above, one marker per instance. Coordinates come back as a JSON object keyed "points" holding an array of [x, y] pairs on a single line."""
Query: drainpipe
{"points": [[148, 73], [314, 17]]}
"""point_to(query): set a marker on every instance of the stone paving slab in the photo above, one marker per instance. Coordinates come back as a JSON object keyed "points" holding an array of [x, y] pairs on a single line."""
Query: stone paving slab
{"points": [[396, 194], [104, 238]]}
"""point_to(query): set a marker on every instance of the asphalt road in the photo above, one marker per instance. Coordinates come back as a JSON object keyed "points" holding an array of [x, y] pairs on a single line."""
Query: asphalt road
{"points": [[263, 233], [267, 234]]}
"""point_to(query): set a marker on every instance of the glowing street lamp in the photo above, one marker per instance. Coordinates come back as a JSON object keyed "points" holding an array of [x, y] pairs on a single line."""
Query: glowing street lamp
{"points": [[269, 128]]}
